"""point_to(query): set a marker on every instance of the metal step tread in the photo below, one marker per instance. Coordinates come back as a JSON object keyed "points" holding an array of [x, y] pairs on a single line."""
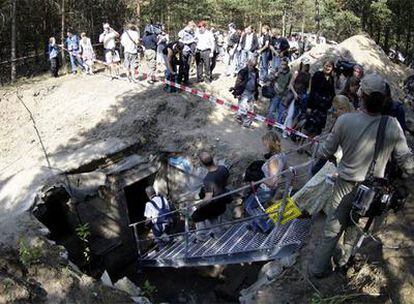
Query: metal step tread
{"points": [[237, 243]]}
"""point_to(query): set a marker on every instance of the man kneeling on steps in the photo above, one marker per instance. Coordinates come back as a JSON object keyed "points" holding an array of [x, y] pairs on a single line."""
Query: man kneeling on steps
{"points": [[157, 213]]}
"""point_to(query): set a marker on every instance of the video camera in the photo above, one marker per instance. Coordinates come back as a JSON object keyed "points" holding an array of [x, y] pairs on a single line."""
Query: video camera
{"points": [[344, 67], [378, 196]]}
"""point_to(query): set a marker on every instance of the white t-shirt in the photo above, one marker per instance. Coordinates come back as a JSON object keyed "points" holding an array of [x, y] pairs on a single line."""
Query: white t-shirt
{"points": [[205, 41], [130, 44], [108, 40], [150, 212], [248, 42]]}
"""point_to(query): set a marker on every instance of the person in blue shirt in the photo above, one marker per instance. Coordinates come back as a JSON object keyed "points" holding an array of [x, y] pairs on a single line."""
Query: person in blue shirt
{"points": [[72, 45]]}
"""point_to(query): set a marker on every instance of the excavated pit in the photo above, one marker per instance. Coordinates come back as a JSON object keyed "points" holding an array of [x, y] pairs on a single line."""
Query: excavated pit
{"points": [[109, 196]]}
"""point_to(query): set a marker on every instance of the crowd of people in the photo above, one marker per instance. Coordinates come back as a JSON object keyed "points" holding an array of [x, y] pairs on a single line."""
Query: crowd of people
{"points": [[342, 100]]}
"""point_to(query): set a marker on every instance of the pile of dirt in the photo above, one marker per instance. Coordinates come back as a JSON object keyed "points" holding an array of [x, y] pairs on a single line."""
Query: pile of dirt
{"points": [[362, 50]]}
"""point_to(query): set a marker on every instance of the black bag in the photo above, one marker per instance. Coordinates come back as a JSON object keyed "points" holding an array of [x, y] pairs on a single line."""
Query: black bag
{"points": [[268, 91], [254, 171]]}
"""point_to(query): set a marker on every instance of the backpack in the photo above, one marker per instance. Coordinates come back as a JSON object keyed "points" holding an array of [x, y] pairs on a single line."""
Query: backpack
{"points": [[164, 215], [254, 171], [268, 91]]}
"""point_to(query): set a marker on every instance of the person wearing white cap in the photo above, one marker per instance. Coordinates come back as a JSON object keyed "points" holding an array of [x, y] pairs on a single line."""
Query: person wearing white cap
{"points": [[356, 134], [107, 38]]}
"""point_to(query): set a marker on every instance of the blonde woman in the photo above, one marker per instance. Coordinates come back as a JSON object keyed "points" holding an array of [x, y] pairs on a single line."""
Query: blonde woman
{"points": [[87, 53], [257, 202]]}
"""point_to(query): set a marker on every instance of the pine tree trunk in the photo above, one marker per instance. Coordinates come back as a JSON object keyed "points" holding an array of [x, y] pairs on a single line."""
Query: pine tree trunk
{"points": [[62, 35], [13, 41], [139, 15]]}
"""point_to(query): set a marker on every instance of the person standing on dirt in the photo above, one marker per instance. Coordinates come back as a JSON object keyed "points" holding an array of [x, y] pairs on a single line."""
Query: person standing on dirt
{"points": [[248, 46], [130, 42], [246, 90], [279, 47], [172, 54], [149, 42], [111, 54], [72, 45], [53, 53], [320, 99], [278, 104], [163, 39], [356, 134], [87, 53], [157, 214], [297, 97], [265, 54], [233, 38], [209, 212], [188, 37], [204, 52]]}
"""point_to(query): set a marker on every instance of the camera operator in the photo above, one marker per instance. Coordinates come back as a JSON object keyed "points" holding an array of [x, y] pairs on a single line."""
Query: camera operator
{"points": [[356, 134]]}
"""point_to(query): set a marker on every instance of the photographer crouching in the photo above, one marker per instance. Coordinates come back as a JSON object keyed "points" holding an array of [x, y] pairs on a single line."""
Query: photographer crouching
{"points": [[368, 140]]}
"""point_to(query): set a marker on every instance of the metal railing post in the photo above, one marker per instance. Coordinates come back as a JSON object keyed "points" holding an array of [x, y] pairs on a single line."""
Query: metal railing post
{"points": [[187, 228], [137, 239], [282, 208]]}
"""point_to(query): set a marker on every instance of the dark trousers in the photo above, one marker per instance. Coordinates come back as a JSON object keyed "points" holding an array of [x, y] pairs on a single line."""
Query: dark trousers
{"points": [[184, 68], [213, 62], [54, 66], [203, 64]]}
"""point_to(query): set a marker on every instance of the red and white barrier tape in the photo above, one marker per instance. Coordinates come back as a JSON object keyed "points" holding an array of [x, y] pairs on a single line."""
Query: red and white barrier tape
{"points": [[236, 108]]}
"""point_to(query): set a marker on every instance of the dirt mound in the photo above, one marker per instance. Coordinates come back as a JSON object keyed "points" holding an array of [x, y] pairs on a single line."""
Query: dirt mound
{"points": [[363, 50]]}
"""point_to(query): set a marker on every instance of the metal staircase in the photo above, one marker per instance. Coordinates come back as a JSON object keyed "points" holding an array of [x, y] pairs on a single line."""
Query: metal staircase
{"points": [[236, 244]]}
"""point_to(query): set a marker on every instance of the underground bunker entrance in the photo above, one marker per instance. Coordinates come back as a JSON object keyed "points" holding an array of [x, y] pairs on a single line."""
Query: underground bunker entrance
{"points": [[136, 198], [54, 213]]}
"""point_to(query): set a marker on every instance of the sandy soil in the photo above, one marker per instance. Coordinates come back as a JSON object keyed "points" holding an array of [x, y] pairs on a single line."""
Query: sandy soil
{"points": [[81, 118]]}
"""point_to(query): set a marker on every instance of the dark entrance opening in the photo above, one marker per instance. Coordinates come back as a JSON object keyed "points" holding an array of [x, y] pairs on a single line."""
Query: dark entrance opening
{"points": [[136, 198], [54, 213]]}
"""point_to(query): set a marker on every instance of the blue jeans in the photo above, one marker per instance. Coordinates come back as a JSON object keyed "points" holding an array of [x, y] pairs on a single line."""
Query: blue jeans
{"points": [[275, 62], [75, 61], [264, 65], [252, 208], [169, 76], [273, 107], [301, 105], [244, 57]]}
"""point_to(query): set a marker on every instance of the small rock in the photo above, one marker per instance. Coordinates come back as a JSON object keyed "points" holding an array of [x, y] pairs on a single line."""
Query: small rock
{"points": [[106, 280], [126, 285], [140, 300]]}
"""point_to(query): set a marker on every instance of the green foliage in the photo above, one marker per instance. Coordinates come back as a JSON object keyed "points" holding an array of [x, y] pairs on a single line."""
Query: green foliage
{"points": [[83, 233], [338, 299], [390, 22], [148, 290], [29, 255]]}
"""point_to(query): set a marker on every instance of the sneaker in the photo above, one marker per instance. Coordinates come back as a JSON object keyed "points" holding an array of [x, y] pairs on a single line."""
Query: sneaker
{"points": [[150, 81]]}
